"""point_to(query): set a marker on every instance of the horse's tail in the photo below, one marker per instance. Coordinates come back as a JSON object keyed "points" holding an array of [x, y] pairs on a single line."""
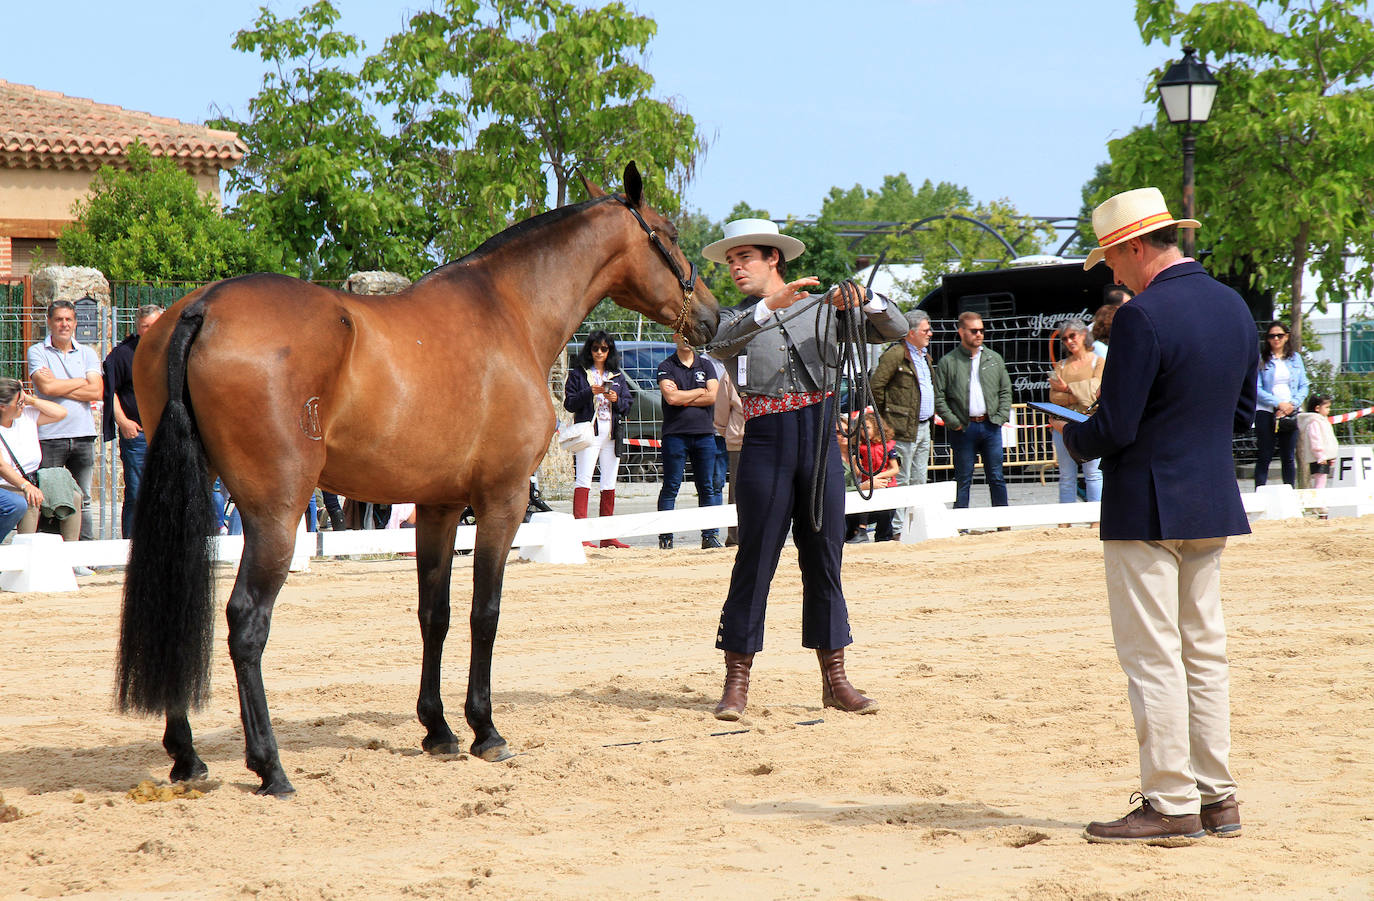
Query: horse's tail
{"points": [[167, 624]]}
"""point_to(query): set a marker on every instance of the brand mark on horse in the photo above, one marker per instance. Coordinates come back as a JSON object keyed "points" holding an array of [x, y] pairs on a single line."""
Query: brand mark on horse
{"points": [[310, 419]]}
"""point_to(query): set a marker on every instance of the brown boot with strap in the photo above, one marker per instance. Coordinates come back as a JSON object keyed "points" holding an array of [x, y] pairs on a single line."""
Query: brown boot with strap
{"points": [[835, 688], [736, 694]]}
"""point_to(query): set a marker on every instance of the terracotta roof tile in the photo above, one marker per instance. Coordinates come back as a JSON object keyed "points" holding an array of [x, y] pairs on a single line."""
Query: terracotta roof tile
{"points": [[47, 130]]}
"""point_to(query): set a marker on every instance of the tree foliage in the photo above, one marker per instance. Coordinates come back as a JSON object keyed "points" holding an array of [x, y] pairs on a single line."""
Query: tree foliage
{"points": [[149, 222], [1285, 164], [321, 179], [948, 241], [493, 106], [557, 92]]}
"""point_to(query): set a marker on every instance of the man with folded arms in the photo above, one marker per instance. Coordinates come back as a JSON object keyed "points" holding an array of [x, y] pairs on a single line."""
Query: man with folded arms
{"points": [[1172, 396]]}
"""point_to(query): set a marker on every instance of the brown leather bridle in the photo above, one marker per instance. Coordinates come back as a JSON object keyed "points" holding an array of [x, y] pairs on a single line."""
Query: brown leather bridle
{"points": [[688, 283]]}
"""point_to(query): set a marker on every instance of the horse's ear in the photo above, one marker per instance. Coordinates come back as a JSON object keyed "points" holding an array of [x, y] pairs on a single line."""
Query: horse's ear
{"points": [[634, 185], [593, 189]]}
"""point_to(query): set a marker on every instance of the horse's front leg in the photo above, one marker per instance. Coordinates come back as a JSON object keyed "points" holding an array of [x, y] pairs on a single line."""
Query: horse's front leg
{"points": [[435, 528], [176, 739], [266, 557], [497, 521]]}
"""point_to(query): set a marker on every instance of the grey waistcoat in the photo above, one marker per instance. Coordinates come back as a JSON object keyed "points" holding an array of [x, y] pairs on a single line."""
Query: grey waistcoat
{"points": [[786, 359]]}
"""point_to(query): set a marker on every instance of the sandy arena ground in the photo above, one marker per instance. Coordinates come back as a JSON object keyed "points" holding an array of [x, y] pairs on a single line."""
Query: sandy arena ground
{"points": [[1004, 728]]}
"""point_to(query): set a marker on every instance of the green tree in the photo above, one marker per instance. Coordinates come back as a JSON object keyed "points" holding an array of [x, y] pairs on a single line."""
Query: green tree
{"points": [[493, 106], [150, 222], [944, 244], [557, 92], [1285, 175], [321, 179]]}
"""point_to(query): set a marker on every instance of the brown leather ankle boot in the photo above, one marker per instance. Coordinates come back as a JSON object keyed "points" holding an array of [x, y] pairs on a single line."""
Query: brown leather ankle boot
{"points": [[835, 688], [736, 693]]}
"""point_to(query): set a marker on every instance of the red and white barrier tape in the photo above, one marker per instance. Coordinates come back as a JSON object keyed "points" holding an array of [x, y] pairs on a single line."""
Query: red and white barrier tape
{"points": [[1353, 414], [643, 442]]}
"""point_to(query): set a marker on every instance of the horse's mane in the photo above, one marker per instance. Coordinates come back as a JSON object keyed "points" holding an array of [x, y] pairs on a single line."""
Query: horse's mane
{"points": [[520, 230]]}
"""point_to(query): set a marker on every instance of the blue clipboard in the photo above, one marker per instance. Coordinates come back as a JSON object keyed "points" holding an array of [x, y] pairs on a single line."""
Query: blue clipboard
{"points": [[1057, 412]]}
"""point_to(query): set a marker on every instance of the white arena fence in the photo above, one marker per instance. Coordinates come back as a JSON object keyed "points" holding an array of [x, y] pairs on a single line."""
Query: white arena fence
{"points": [[43, 563]]}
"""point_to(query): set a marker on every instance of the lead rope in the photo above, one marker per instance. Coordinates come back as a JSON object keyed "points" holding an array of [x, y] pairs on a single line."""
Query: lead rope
{"points": [[850, 360]]}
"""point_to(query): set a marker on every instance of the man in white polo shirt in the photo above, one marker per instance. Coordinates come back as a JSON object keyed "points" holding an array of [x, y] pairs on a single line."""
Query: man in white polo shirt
{"points": [[67, 372]]}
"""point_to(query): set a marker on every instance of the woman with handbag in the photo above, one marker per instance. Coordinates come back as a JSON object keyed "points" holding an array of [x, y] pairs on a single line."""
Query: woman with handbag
{"points": [[1282, 389], [20, 416], [1075, 383], [598, 394]]}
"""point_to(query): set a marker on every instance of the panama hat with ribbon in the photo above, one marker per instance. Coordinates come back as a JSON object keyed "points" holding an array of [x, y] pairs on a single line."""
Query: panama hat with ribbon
{"points": [[753, 231], [1128, 215]]}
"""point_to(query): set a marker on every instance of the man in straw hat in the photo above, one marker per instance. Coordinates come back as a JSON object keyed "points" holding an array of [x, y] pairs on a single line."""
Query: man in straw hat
{"points": [[771, 353], [1173, 393]]}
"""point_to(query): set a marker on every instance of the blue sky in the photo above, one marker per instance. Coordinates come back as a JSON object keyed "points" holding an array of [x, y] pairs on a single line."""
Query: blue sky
{"points": [[1011, 99]]}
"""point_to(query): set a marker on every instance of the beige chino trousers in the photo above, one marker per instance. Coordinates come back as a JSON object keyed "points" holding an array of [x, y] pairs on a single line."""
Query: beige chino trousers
{"points": [[1165, 599]]}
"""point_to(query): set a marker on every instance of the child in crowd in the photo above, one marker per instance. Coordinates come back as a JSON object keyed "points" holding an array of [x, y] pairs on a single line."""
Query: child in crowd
{"points": [[1317, 440], [872, 464]]}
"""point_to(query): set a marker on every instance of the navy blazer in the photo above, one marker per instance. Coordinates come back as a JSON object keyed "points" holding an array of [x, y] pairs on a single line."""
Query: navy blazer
{"points": [[1179, 382]]}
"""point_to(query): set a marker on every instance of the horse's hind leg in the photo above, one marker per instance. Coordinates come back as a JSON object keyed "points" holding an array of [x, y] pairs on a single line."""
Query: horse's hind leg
{"points": [[268, 543], [186, 764], [497, 519], [434, 531]]}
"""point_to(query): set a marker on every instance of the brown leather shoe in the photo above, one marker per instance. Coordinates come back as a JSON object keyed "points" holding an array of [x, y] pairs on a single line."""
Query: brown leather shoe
{"points": [[1222, 818], [736, 694], [1147, 826], [835, 688]]}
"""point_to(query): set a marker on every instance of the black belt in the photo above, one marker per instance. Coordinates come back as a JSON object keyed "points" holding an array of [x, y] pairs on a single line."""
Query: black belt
{"points": [[977, 419]]}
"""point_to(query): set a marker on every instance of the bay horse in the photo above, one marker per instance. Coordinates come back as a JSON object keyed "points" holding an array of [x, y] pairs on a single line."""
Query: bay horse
{"points": [[436, 395]]}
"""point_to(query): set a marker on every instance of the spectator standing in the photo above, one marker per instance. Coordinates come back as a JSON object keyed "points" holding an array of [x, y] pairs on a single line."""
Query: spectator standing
{"points": [[1318, 446], [721, 471], [729, 422], [904, 395], [597, 392], [1172, 397], [689, 384], [973, 397], [1282, 389], [120, 415], [1075, 383], [1112, 298], [68, 372]]}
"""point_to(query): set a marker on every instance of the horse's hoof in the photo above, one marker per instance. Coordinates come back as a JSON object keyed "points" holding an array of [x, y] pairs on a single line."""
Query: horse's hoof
{"points": [[189, 771], [281, 789], [443, 748], [494, 754]]}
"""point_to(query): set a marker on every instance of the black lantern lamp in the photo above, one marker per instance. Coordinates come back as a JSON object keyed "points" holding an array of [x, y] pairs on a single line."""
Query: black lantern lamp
{"points": [[1187, 91]]}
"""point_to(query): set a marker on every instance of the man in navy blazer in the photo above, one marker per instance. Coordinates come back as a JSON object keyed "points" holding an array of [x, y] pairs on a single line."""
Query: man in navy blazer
{"points": [[1179, 382]]}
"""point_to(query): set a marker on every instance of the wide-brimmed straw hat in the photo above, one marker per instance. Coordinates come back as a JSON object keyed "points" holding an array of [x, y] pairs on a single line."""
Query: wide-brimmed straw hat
{"points": [[753, 231], [1128, 215]]}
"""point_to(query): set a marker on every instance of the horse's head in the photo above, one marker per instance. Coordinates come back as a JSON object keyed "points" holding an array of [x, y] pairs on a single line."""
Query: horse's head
{"points": [[658, 280]]}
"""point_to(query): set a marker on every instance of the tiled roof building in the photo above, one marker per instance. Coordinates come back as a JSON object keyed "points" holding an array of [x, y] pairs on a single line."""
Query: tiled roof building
{"points": [[51, 146]]}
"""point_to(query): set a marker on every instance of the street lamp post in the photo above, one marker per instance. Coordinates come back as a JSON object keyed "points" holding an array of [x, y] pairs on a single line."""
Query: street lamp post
{"points": [[1187, 91]]}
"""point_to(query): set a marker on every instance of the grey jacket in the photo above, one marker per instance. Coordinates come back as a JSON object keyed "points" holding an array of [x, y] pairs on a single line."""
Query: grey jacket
{"points": [[765, 363]]}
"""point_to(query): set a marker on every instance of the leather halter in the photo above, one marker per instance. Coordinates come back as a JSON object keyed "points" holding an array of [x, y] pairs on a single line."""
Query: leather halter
{"points": [[688, 284]]}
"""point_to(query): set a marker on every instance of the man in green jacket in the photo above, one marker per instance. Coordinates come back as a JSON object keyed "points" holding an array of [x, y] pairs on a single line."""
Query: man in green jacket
{"points": [[973, 397]]}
